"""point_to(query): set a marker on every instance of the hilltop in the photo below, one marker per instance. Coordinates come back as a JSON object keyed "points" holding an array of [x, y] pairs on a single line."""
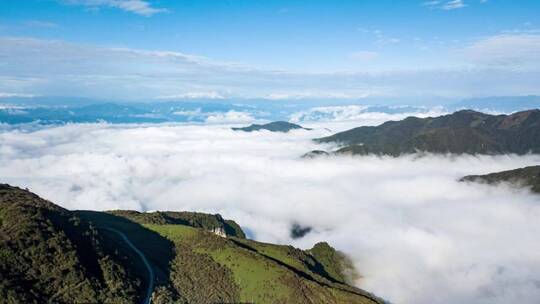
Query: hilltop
{"points": [[276, 126], [47, 252], [463, 132]]}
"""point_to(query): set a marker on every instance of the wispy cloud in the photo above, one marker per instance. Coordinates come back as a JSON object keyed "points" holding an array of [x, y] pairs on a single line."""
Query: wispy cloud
{"points": [[445, 5], [230, 117], [41, 24], [364, 55], [139, 7], [381, 38], [48, 67], [454, 4], [311, 94], [520, 51], [193, 95], [21, 95]]}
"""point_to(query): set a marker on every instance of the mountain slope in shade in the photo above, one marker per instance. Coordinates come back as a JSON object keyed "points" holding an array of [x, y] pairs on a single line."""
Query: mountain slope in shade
{"points": [[463, 132], [276, 126], [47, 252], [528, 177]]}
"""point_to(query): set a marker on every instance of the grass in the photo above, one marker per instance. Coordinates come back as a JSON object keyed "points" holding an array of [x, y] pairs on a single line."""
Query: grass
{"points": [[263, 273], [175, 233], [51, 253], [206, 268], [259, 280]]}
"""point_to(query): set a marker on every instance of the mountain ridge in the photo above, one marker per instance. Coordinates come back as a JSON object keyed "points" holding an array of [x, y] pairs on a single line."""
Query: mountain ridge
{"points": [[462, 132], [528, 177], [46, 252], [191, 262]]}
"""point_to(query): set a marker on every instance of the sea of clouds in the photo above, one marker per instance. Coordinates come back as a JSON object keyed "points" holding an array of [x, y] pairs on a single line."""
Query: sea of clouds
{"points": [[415, 233]]}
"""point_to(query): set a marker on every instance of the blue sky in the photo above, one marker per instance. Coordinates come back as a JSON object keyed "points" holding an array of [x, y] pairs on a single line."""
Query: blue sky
{"points": [[269, 49]]}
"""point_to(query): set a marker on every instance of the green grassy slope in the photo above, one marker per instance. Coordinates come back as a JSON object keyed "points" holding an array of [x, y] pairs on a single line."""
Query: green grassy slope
{"points": [[48, 253], [203, 267], [255, 272], [212, 222]]}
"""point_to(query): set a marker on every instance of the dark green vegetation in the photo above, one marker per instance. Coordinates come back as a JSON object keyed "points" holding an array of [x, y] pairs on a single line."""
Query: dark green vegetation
{"points": [[315, 153], [463, 132], [276, 126], [524, 177], [334, 262], [48, 252], [299, 231], [211, 222]]}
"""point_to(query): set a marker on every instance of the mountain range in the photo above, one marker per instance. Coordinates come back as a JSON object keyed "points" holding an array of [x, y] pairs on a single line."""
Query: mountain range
{"points": [[47, 110], [463, 132], [48, 253]]}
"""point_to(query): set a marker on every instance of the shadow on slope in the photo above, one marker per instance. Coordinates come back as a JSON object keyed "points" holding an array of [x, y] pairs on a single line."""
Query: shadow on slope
{"points": [[158, 250]]}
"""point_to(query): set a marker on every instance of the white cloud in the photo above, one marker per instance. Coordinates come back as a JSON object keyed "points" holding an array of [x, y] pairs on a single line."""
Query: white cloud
{"points": [[415, 233], [139, 7], [194, 95], [310, 95], [192, 113], [57, 68], [454, 4], [514, 51], [431, 3], [387, 40], [381, 38], [445, 5], [22, 95], [364, 55], [41, 24], [230, 117], [340, 118]]}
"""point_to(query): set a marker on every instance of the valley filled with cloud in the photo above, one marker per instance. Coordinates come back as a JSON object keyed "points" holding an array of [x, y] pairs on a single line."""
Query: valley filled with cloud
{"points": [[415, 233], [183, 110]]}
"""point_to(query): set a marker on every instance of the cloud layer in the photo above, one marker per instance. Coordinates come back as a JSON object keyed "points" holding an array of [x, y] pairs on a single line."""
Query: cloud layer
{"points": [[414, 232], [488, 67], [514, 51]]}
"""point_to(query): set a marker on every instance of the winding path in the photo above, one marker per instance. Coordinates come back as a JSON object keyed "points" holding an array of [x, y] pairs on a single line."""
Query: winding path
{"points": [[148, 297]]}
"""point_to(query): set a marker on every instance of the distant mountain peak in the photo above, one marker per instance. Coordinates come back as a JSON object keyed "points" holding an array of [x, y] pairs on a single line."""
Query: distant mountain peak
{"points": [[276, 126]]}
